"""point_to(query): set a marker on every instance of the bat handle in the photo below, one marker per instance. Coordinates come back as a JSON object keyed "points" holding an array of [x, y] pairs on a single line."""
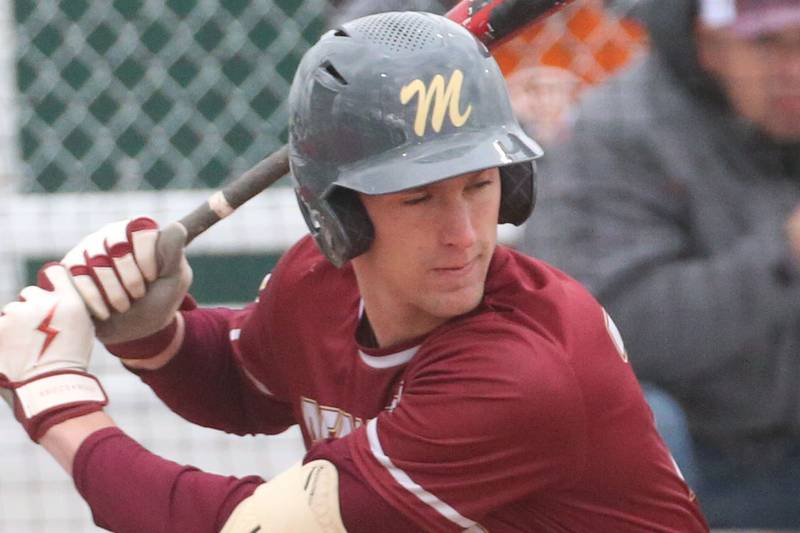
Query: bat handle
{"points": [[225, 201]]}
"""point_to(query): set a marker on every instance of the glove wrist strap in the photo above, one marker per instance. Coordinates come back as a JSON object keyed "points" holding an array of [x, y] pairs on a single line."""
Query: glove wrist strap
{"points": [[145, 347], [153, 344], [51, 398]]}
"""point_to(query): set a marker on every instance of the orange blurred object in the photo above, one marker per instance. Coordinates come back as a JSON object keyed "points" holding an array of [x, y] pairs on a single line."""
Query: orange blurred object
{"points": [[585, 38], [548, 65]]}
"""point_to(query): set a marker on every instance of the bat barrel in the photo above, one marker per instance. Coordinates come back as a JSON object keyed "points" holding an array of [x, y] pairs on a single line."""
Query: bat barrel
{"points": [[508, 18], [496, 21]]}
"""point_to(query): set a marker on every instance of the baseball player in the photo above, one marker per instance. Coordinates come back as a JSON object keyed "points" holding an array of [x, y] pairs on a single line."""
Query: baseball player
{"points": [[442, 382]]}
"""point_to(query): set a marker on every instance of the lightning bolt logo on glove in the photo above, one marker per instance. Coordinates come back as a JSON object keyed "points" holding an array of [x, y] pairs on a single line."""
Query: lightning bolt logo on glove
{"points": [[46, 339], [49, 332]]}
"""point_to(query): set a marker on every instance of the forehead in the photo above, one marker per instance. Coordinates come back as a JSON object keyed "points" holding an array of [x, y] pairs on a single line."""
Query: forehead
{"points": [[456, 180], [766, 42]]}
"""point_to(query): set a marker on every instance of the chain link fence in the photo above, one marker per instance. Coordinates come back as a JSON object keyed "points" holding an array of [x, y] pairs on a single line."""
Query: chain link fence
{"points": [[112, 109], [146, 94]]}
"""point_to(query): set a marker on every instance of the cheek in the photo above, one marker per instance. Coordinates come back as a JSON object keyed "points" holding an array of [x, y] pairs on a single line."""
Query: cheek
{"points": [[745, 76], [488, 213], [395, 250], [750, 94]]}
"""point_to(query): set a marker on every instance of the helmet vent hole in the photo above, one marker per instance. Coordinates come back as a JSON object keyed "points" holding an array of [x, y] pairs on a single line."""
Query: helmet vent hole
{"points": [[398, 32], [335, 74]]}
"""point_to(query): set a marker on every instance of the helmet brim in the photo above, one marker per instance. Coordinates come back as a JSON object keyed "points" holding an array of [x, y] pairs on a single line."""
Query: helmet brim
{"points": [[425, 163]]}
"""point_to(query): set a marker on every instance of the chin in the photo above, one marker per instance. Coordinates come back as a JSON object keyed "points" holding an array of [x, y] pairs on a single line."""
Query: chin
{"points": [[461, 303]]}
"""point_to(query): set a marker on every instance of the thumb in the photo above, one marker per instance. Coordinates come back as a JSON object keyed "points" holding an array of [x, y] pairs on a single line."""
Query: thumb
{"points": [[169, 249], [42, 278], [53, 277]]}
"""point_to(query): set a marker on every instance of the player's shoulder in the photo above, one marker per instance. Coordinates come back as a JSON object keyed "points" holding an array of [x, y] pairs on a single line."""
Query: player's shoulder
{"points": [[522, 368], [509, 265], [532, 313], [529, 289], [547, 311], [501, 347], [302, 257], [303, 267]]}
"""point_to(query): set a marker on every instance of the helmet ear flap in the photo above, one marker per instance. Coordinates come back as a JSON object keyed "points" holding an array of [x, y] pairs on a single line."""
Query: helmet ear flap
{"points": [[518, 192], [340, 225]]}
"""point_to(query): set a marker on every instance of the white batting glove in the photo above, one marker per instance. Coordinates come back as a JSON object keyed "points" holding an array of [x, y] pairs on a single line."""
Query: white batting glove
{"points": [[133, 277], [46, 340]]}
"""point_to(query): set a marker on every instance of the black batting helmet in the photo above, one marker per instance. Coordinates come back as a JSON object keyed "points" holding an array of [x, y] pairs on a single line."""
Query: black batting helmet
{"points": [[394, 101]]}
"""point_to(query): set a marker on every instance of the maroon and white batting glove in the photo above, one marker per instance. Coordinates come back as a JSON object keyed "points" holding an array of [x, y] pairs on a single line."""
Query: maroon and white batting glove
{"points": [[134, 278], [46, 340]]}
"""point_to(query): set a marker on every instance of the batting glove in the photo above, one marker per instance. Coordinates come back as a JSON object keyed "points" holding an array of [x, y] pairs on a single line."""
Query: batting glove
{"points": [[133, 278], [46, 339]]}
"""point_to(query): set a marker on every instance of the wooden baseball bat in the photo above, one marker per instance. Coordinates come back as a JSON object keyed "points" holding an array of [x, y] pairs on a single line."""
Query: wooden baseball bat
{"points": [[492, 21]]}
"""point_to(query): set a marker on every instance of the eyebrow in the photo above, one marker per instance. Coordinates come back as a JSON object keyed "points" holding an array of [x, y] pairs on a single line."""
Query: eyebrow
{"points": [[477, 176], [415, 190]]}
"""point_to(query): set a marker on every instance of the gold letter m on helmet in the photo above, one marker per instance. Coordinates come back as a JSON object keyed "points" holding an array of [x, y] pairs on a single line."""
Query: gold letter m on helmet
{"points": [[446, 101]]}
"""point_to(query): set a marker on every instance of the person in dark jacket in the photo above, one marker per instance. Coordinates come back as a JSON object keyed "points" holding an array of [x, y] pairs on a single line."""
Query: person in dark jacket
{"points": [[676, 199]]}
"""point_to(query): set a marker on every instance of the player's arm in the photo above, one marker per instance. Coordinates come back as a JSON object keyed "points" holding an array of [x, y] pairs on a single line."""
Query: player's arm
{"points": [[45, 343], [134, 278], [131, 489]]}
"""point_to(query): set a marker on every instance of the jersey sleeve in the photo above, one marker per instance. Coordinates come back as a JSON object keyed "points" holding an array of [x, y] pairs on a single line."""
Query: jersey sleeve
{"points": [[130, 490], [209, 381], [486, 421], [362, 509], [231, 373]]}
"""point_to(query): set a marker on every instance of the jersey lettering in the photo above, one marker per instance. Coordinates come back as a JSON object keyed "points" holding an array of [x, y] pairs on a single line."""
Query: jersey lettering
{"points": [[396, 398], [324, 422]]}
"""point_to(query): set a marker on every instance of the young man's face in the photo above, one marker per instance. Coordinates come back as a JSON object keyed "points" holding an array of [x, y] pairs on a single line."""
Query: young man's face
{"points": [[432, 248], [761, 76]]}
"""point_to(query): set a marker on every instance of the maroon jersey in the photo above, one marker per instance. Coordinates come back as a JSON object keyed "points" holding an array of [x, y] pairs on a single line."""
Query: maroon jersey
{"points": [[523, 415]]}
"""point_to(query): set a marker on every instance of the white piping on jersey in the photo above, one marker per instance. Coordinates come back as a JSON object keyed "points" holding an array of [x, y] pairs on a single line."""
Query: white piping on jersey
{"points": [[615, 335], [388, 361], [234, 336], [407, 483]]}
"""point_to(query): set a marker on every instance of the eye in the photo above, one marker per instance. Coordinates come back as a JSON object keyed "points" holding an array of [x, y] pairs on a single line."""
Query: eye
{"points": [[481, 184], [417, 199]]}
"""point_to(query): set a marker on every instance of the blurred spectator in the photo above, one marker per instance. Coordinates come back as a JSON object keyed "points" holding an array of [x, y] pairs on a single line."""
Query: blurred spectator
{"points": [[548, 65], [591, 39], [676, 199], [351, 9], [541, 97]]}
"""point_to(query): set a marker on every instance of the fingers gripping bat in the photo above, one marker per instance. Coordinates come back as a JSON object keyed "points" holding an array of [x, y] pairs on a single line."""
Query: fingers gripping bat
{"points": [[491, 21]]}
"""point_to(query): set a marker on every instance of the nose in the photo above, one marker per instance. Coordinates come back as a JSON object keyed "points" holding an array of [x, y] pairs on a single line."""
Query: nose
{"points": [[456, 226]]}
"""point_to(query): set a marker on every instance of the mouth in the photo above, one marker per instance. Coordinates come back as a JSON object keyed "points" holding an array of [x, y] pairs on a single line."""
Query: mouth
{"points": [[456, 270]]}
